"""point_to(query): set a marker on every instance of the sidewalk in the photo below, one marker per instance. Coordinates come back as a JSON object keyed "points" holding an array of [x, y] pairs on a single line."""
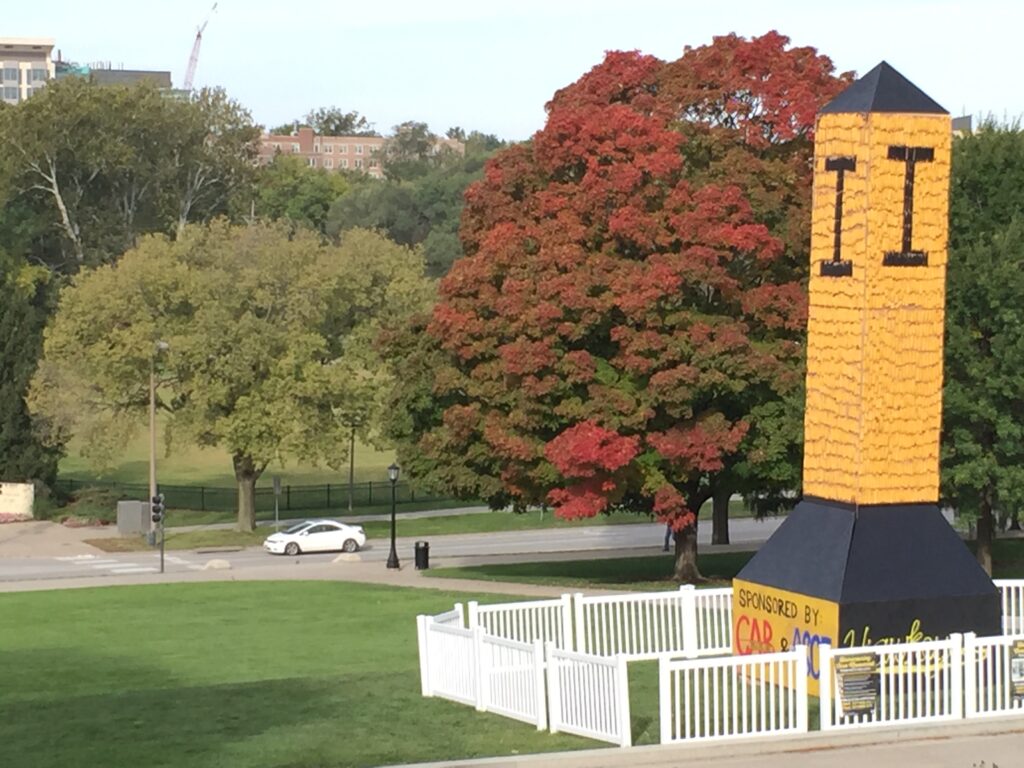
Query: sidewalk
{"points": [[42, 538], [359, 572]]}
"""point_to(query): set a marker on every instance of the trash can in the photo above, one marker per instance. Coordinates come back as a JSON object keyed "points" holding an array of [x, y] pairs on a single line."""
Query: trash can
{"points": [[422, 555]]}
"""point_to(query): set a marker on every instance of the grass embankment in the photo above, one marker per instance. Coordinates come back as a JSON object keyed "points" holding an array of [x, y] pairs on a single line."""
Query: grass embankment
{"points": [[244, 675], [193, 465], [653, 573]]}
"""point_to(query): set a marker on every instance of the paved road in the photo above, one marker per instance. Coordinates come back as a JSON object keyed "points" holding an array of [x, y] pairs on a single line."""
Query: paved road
{"points": [[585, 539]]}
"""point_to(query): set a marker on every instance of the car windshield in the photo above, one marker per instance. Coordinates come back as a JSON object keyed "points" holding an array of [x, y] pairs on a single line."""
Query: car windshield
{"points": [[296, 528]]}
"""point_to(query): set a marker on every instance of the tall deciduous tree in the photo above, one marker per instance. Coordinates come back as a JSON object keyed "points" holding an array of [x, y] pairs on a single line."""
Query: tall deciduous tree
{"points": [[94, 166], [268, 334], [289, 190], [983, 397], [624, 311], [23, 312]]}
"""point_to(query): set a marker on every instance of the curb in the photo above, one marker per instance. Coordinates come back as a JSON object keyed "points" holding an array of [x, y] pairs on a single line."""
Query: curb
{"points": [[671, 755]]}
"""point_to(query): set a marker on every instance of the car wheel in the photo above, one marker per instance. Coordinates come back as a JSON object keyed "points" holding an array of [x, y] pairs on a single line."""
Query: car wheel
{"points": [[292, 549], [349, 545]]}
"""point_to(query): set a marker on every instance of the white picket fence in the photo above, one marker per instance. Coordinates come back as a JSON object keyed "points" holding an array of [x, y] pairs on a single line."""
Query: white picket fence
{"points": [[449, 656], [561, 664], [896, 684], [486, 672], [733, 696], [549, 621], [688, 622], [589, 695], [989, 676], [1012, 594]]}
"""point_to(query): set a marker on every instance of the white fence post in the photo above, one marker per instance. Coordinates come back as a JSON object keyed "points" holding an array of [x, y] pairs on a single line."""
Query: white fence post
{"points": [[462, 615], [422, 622], [482, 669], [474, 617], [957, 670], [622, 675], [691, 645], [801, 687], [554, 692], [665, 699], [567, 633], [825, 686], [580, 639], [538, 682], [970, 663]]}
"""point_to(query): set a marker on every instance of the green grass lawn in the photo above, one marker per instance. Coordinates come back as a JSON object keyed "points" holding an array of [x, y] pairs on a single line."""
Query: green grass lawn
{"points": [[653, 573], [633, 573], [267, 675]]}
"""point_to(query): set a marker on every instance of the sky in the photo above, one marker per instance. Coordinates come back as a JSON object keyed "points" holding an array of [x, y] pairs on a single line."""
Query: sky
{"points": [[491, 65]]}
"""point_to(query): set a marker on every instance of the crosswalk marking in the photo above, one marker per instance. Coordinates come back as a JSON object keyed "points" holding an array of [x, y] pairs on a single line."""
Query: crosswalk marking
{"points": [[115, 566]]}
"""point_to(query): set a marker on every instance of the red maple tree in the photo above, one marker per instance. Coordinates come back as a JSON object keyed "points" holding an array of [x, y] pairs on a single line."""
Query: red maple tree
{"points": [[629, 291]]}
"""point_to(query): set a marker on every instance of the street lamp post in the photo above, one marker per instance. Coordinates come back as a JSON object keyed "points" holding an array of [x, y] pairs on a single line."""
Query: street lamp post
{"points": [[393, 471]]}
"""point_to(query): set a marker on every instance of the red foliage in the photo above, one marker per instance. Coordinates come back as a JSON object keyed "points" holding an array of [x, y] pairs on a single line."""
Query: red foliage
{"points": [[586, 450], [628, 292]]}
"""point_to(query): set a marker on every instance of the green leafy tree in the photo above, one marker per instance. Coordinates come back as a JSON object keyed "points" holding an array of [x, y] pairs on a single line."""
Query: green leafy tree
{"points": [[983, 396], [88, 168], [213, 156], [289, 190], [23, 312], [423, 211], [267, 334]]}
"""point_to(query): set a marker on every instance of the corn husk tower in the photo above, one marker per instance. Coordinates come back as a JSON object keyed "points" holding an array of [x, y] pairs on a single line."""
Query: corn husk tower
{"points": [[867, 557]]}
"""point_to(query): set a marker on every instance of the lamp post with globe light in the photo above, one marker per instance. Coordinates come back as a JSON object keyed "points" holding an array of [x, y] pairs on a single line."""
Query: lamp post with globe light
{"points": [[393, 472]]}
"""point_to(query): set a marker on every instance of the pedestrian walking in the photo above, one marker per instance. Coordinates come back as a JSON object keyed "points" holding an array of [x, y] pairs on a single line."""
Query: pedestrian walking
{"points": [[668, 536]]}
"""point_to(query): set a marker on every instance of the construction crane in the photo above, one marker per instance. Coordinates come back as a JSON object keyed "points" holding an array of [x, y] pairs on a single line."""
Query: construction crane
{"points": [[193, 60]]}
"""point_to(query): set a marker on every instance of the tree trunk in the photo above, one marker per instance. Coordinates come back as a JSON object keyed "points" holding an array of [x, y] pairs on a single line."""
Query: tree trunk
{"points": [[686, 570], [985, 532], [246, 475], [720, 515], [1015, 521]]}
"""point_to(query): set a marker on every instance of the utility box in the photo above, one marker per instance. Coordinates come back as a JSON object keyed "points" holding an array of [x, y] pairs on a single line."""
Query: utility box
{"points": [[132, 517]]}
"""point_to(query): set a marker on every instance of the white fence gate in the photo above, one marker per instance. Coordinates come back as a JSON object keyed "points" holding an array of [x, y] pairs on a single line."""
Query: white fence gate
{"points": [[992, 686], [734, 696], [512, 679], [449, 655], [892, 684], [589, 696]]}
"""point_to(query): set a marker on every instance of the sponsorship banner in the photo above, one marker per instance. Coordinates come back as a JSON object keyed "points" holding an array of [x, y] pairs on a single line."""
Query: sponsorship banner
{"points": [[1017, 670], [767, 619], [857, 682]]}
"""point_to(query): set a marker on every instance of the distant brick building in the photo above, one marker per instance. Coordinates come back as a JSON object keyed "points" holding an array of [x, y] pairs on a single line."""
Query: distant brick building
{"points": [[336, 153]]}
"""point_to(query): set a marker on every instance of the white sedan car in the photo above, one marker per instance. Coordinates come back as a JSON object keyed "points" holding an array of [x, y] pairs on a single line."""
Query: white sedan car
{"points": [[316, 536]]}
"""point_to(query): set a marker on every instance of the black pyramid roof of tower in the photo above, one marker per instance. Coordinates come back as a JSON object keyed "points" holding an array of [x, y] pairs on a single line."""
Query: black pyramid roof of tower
{"points": [[883, 89]]}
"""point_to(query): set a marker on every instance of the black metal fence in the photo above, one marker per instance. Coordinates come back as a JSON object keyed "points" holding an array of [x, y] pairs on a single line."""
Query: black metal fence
{"points": [[293, 497]]}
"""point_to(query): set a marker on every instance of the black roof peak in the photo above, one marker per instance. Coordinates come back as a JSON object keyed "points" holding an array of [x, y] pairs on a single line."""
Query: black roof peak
{"points": [[883, 89]]}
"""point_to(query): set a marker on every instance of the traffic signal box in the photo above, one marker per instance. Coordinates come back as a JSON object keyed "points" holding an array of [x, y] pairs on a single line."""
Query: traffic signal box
{"points": [[866, 557]]}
